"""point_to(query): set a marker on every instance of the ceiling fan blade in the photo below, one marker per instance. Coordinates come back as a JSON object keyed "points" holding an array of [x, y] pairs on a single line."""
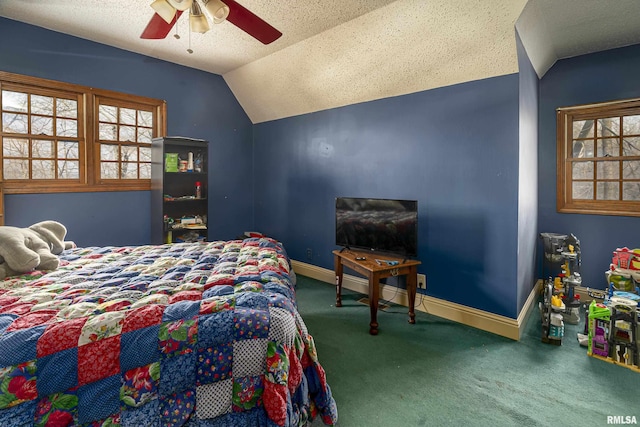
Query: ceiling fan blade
{"points": [[250, 23], [158, 28]]}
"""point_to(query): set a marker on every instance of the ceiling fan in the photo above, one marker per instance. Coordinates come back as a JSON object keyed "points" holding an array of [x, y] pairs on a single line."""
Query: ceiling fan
{"points": [[167, 13]]}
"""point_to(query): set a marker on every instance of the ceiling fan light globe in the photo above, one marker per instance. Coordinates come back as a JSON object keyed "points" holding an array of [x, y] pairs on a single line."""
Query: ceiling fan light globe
{"points": [[180, 4], [217, 9], [164, 9], [198, 24], [197, 21]]}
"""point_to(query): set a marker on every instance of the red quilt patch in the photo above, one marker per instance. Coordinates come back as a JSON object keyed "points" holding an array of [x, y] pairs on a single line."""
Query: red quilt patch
{"points": [[32, 319], [185, 296], [98, 360], [142, 317], [295, 370], [60, 336], [18, 308], [275, 402]]}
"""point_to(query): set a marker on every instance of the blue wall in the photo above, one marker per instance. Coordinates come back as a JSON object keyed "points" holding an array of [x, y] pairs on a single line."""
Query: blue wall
{"points": [[199, 105], [454, 149], [527, 176], [598, 77], [114, 218], [465, 152]]}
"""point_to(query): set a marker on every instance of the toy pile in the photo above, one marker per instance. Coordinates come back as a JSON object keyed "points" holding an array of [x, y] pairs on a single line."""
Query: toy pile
{"points": [[614, 322], [560, 302], [624, 270]]}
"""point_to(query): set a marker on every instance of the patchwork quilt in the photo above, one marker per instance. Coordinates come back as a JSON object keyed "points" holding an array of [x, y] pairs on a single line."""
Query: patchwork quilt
{"points": [[188, 334]]}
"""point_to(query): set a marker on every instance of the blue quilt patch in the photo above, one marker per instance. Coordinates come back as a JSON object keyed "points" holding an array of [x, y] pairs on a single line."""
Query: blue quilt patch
{"points": [[177, 373], [57, 372], [6, 320], [181, 310], [215, 329], [177, 408], [214, 364], [218, 291], [20, 415], [147, 415], [251, 324], [99, 399], [19, 346], [253, 300], [144, 352]]}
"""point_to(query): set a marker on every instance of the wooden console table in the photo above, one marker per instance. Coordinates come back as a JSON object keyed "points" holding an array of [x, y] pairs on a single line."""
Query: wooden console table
{"points": [[365, 263]]}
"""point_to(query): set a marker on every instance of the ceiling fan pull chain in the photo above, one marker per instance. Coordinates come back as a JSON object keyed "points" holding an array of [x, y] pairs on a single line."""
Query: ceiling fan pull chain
{"points": [[190, 50]]}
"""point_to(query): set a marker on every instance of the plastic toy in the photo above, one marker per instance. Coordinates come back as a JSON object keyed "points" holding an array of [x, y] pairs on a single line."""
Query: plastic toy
{"points": [[614, 326], [624, 270], [599, 317], [559, 297], [599, 343], [623, 338], [614, 314]]}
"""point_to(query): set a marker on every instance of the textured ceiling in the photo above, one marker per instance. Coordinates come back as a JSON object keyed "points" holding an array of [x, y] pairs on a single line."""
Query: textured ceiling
{"points": [[340, 52], [551, 30], [404, 47]]}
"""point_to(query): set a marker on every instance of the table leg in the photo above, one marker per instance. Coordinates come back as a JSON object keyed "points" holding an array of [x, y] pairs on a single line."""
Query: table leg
{"points": [[374, 293], [338, 270], [412, 282]]}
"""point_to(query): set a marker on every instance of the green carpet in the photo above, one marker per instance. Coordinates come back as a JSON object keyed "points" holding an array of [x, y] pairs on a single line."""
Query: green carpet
{"points": [[441, 373]]}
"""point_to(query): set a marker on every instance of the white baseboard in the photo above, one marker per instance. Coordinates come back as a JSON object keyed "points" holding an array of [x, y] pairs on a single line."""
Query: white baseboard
{"points": [[490, 322]]}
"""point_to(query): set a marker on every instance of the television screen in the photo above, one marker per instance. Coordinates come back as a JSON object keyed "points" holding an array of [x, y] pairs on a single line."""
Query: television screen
{"points": [[382, 225]]}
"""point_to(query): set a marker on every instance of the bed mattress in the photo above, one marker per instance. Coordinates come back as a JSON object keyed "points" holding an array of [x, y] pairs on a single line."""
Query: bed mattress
{"points": [[193, 334]]}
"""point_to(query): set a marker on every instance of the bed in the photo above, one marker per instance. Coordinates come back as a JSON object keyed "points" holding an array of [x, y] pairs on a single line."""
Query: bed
{"points": [[188, 334]]}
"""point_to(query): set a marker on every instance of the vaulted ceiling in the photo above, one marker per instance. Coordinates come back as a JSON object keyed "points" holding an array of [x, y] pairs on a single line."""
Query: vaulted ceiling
{"points": [[340, 52]]}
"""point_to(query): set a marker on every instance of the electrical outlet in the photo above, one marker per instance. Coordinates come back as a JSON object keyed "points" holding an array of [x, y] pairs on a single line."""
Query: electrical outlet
{"points": [[309, 254], [422, 281]]}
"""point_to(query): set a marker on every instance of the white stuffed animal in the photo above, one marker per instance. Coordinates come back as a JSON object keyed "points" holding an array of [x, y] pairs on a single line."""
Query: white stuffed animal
{"points": [[27, 249]]}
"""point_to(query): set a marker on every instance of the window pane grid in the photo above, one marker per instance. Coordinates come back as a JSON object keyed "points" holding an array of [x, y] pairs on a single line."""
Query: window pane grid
{"points": [[124, 131], [49, 144], [39, 159], [599, 150], [38, 119], [122, 161]]}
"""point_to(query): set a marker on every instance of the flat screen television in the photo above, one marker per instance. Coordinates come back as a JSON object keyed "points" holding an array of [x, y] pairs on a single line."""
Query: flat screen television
{"points": [[380, 225]]}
